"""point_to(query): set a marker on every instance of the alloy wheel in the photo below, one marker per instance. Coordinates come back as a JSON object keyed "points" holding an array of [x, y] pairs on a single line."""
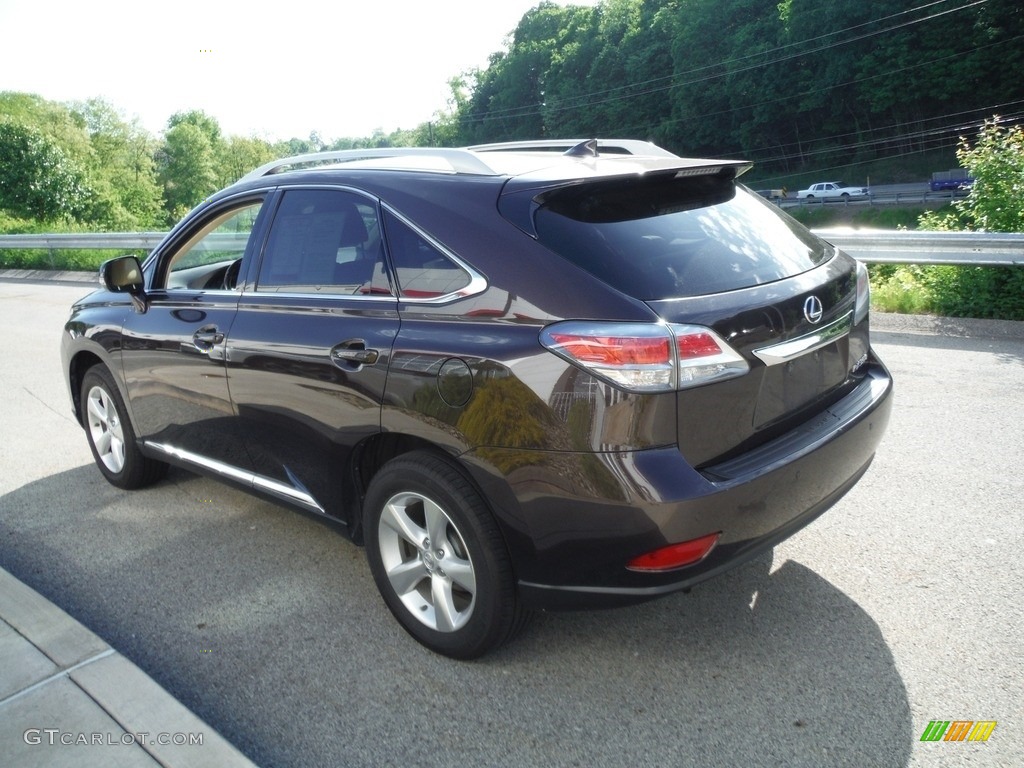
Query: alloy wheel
{"points": [[427, 562], [105, 429]]}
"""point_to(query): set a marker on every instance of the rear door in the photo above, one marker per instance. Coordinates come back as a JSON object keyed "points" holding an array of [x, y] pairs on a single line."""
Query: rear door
{"points": [[309, 349]]}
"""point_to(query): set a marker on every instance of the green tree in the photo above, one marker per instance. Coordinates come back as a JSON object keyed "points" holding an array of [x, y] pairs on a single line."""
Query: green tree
{"points": [[39, 180], [996, 200], [122, 172], [187, 168], [995, 204], [508, 95], [198, 118], [240, 155]]}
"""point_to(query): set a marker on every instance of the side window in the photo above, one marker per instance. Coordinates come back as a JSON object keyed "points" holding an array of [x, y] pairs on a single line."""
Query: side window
{"points": [[422, 270], [212, 255], [324, 241]]}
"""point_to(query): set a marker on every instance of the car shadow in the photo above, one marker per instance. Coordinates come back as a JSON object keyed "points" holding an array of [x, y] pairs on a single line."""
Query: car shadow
{"points": [[761, 666], [268, 626]]}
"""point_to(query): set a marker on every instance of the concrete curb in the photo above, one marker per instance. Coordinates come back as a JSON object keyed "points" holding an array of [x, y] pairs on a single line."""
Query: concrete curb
{"points": [[50, 276], [962, 327], [69, 699]]}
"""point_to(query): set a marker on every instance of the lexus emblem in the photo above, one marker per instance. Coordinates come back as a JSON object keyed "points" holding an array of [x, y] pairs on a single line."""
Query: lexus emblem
{"points": [[813, 309]]}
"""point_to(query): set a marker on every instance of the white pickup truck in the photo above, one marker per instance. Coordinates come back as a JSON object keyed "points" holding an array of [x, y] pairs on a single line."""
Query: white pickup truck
{"points": [[831, 189]]}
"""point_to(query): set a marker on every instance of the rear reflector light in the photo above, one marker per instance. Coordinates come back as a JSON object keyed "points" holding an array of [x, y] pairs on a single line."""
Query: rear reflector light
{"points": [[675, 555], [645, 357], [863, 294]]}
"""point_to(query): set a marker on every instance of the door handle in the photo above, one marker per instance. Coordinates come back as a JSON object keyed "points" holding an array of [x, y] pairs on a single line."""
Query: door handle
{"points": [[206, 338], [354, 352], [361, 356]]}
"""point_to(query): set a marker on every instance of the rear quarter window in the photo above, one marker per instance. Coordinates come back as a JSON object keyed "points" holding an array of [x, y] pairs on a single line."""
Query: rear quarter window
{"points": [[422, 270], [662, 237]]}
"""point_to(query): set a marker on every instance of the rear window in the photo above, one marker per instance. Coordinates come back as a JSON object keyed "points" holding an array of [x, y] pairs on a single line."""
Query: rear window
{"points": [[662, 237]]}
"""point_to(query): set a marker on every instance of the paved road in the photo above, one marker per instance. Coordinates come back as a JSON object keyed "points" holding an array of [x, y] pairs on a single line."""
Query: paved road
{"points": [[899, 606]]}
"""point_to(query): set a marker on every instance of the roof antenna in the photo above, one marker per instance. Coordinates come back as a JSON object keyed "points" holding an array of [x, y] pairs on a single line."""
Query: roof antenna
{"points": [[586, 148]]}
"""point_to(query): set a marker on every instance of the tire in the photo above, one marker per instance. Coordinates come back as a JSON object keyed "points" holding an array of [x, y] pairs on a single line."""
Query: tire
{"points": [[438, 557], [111, 436]]}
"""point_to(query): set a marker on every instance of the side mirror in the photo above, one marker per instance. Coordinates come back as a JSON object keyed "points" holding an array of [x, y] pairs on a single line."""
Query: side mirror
{"points": [[122, 275]]}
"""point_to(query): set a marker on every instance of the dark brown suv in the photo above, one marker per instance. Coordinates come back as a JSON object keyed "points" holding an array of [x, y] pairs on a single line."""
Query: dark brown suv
{"points": [[534, 375]]}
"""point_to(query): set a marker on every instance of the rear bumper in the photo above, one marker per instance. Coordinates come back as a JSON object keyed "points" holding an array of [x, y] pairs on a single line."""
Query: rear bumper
{"points": [[579, 518]]}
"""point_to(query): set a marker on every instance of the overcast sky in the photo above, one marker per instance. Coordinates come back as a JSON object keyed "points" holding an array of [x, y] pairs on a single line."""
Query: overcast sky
{"points": [[274, 70]]}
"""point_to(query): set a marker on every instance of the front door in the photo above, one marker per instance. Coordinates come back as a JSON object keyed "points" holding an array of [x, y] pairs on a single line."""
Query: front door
{"points": [[173, 353]]}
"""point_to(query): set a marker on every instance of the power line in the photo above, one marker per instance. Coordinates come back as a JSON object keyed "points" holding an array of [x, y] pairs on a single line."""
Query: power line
{"points": [[672, 81], [929, 143], [803, 94], [788, 57]]}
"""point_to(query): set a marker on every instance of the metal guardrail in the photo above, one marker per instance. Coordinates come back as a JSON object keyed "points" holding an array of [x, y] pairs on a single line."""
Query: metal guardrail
{"points": [[881, 199], [129, 241], [979, 249], [871, 247]]}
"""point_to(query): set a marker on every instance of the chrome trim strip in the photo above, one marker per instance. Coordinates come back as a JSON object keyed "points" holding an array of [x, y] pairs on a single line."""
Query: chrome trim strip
{"points": [[794, 348], [477, 282], [257, 482], [286, 492]]}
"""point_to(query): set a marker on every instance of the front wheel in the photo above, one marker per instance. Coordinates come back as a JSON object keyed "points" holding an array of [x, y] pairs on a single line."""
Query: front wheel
{"points": [[110, 434], [438, 557]]}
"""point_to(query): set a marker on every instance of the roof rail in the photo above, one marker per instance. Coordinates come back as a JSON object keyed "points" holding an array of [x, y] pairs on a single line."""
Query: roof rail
{"points": [[612, 146], [460, 160]]}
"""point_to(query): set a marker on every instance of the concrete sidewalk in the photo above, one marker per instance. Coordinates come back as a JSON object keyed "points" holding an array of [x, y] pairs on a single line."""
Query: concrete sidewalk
{"points": [[69, 699]]}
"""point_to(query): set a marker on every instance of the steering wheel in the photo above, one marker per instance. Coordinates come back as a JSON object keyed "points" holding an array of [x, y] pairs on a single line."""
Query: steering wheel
{"points": [[230, 281]]}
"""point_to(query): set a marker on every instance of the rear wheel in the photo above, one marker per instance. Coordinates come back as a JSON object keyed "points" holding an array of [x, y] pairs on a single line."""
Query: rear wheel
{"points": [[438, 558], [110, 434]]}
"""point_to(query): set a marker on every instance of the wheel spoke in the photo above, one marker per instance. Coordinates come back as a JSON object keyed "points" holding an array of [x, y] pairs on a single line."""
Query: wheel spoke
{"points": [[445, 613], [98, 409], [117, 452], [397, 519], [407, 575], [103, 443], [437, 525], [461, 572]]}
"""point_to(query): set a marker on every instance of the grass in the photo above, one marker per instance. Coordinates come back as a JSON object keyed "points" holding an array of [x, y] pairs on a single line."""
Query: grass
{"points": [[65, 259], [860, 217]]}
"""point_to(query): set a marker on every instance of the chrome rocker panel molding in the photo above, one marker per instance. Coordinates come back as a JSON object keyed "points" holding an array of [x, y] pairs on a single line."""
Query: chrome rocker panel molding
{"points": [[258, 482]]}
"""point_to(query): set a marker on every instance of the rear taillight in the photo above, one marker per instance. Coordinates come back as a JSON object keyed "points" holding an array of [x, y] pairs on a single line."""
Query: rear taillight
{"points": [[645, 357]]}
